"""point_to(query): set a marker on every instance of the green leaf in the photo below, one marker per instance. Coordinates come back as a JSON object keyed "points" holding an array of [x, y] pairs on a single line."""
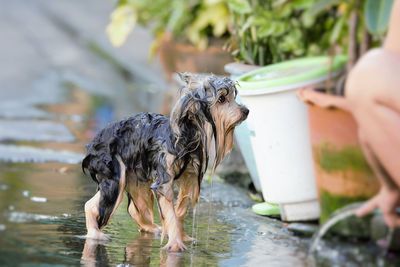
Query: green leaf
{"points": [[264, 31], [122, 21], [284, 11], [239, 6], [178, 12], [377, 14], [307, 19], [322, 5], [302, 4], [273, 28], [337, 29]]}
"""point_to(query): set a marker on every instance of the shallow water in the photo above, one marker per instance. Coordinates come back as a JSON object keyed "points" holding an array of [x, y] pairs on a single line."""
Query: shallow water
{"points": [[43, 191], [51, 232]]}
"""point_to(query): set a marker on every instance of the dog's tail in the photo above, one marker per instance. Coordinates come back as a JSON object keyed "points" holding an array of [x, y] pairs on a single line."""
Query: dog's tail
{"points": [[105, 170]]}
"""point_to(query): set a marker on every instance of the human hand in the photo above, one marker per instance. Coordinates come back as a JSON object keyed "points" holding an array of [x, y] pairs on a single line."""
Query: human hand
{"points": [[386, 200]]}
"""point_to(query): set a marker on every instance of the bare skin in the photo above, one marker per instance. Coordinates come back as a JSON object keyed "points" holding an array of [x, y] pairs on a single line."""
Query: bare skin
{"points": [[373, 89], [92, 208]]}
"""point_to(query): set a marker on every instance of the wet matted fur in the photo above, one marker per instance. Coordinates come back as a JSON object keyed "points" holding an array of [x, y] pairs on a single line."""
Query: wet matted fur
{"points": [[155, 150]]}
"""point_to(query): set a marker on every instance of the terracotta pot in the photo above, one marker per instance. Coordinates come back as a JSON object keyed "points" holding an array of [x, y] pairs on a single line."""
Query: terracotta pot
{"points": [[177, 56], [342, 173], [181, 57]]}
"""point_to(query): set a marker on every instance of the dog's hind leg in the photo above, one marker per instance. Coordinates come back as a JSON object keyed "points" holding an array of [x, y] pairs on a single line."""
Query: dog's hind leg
{"points": [[140, 205], [188, 193], [92, 212], [101, 207]]}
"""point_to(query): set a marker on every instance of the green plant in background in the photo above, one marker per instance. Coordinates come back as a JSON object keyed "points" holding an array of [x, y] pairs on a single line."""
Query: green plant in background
{"points": [[377, 14], [358, 21], [193, 21], [261, 31], [265, 32]]}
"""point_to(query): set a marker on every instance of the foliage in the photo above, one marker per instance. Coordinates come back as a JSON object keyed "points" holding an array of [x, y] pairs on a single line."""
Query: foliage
{"points": [[190, 20], [266, 32], [261, 31], [377, 14], [363, 18]]}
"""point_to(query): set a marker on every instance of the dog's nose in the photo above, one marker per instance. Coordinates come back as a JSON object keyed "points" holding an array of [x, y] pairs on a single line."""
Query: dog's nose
{"points": [[245, 111]]}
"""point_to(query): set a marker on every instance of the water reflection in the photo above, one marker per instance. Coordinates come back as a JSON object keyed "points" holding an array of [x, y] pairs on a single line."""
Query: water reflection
{"points": [[129, 246], [138, 252], [50, 232], [94, 251]]}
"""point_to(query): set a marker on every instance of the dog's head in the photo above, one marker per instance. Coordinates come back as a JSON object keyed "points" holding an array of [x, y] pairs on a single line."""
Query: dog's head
{"points": [[208, 104]]}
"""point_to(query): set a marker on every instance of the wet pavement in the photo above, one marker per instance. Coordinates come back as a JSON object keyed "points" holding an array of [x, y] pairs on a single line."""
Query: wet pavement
{"points": [[60, 81]]}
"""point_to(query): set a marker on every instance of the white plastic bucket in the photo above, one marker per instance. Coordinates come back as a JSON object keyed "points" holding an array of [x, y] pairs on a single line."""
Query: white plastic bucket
{"points": [[281, 146]]}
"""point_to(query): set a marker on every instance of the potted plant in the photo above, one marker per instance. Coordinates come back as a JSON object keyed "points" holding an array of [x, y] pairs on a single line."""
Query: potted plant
{"points": [[189, 35], [342, 173]]}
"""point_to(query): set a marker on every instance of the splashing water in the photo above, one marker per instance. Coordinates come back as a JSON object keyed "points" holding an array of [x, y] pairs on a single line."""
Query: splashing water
{"points": [[210, 208], [194, 235]]}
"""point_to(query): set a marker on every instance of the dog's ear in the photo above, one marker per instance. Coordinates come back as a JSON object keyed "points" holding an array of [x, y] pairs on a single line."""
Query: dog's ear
{"points": [[193, 101], [193, 110], [185, 77], [195, 97]]}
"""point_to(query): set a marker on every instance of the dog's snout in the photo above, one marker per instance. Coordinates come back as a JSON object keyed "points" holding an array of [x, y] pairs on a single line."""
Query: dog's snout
{"points": [[245, 111]]}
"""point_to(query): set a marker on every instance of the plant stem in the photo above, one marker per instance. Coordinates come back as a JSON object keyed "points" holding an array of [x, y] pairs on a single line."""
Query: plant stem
{"points": [[366, 41], [352, 50], [328, 83]]}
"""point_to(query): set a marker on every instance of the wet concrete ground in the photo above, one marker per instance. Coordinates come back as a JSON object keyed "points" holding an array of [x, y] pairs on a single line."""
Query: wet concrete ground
{"points": [[60, 81]]}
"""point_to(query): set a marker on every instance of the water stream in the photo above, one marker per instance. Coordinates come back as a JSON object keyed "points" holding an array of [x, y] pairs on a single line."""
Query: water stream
{"points": [[338, 216]]}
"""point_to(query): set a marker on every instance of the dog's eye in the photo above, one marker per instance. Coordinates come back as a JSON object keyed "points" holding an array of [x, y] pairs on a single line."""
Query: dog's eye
{"points": [[221, 99]]}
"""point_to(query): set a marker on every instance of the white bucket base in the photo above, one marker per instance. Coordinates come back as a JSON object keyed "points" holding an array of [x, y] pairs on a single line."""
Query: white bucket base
{"points": [[300, 211]]}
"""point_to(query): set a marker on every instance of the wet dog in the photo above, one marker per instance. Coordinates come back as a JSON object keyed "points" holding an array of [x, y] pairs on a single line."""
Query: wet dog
{"points": [[145, 155]]}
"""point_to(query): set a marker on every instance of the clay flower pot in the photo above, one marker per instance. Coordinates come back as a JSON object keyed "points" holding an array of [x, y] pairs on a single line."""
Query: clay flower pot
{"points": [[178, 56], [342, 174]]}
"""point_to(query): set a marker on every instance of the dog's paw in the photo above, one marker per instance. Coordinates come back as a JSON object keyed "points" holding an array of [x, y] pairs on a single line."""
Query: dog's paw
{"points": [[174, 246], [151, 229], [98, 235], [187, 238]]}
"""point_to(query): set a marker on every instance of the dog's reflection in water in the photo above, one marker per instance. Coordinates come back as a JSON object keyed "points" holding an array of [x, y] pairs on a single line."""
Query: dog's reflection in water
{"points": [[137, 253]]}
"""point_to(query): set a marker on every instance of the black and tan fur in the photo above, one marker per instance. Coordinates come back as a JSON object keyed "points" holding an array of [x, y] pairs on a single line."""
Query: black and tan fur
{"points": [[147, 153]]}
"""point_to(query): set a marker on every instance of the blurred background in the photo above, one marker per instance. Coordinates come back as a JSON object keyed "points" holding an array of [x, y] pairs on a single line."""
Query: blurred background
{"points": [[69, 67]]}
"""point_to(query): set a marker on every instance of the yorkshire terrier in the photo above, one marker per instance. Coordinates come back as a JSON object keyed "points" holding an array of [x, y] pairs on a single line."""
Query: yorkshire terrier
{"points": [[147, 153]]}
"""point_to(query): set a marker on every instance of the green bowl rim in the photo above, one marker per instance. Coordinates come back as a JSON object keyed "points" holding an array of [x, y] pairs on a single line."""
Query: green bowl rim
{"points": [[337, 64]]}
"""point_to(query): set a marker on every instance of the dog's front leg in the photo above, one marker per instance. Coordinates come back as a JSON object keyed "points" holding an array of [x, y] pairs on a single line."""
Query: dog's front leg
{"points": [[188, 192], [170, 222]]}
